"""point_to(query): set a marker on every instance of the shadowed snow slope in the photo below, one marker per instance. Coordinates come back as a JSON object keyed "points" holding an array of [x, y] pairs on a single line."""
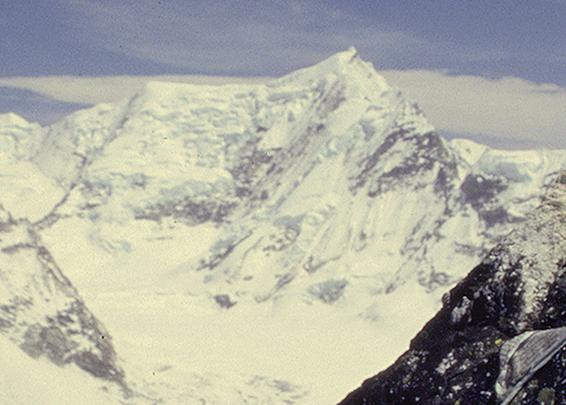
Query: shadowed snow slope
{"points": [[320, 198]]}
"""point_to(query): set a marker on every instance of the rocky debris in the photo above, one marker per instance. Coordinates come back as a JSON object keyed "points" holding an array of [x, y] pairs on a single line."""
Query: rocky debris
{"points": [[190, 211], [521, 357], [500, 333], [224, 301], [250, 166], [423, 151], [481, 192], [479, 189], [328, 291], [41, 311]]}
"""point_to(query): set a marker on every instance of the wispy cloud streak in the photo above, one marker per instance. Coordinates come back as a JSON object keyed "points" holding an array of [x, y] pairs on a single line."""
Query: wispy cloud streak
{"points": [[510, 110]]}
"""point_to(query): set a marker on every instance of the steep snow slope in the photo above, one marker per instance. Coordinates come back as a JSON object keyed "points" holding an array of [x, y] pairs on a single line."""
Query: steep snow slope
{"points": [[211, 222], [24, 189], [43, 316], [516, 292]]}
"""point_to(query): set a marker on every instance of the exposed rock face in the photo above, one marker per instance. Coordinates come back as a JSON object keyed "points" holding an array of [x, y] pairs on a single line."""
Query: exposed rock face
{"points": [[41, 311], [521, 357], [482, 334]]}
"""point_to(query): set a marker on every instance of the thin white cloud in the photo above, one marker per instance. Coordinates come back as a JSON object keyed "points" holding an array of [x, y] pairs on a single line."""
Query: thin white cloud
{"points": [[511, 110], [93, 90]]}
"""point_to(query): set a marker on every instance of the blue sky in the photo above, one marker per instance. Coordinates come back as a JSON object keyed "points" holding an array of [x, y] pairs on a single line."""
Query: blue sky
{"points": [[488, 39], [106, 37]]}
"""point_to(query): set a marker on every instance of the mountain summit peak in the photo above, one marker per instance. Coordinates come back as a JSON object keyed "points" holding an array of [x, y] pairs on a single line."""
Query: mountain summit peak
{"points": [[346, 56], [348, 67]]}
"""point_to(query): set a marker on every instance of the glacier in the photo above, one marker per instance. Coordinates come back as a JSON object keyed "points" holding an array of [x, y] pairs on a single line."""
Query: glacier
{"points": [[231, 237]]}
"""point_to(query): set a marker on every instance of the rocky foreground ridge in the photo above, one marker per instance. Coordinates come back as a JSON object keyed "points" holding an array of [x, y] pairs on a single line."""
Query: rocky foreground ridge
{"points": [[500, 336]]}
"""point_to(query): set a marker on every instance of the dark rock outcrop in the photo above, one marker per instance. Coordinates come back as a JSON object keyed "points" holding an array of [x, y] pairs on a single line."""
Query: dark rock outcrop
{"points": [[466, 353]]}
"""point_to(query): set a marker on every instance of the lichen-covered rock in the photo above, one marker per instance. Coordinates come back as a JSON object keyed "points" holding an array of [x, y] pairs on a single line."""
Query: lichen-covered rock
{"points": [[462, 353], [41, 311]]}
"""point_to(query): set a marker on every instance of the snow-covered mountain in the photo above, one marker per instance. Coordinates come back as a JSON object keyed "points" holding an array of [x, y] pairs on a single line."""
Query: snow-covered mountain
{"points": [[500, 336], [320, 198]]}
